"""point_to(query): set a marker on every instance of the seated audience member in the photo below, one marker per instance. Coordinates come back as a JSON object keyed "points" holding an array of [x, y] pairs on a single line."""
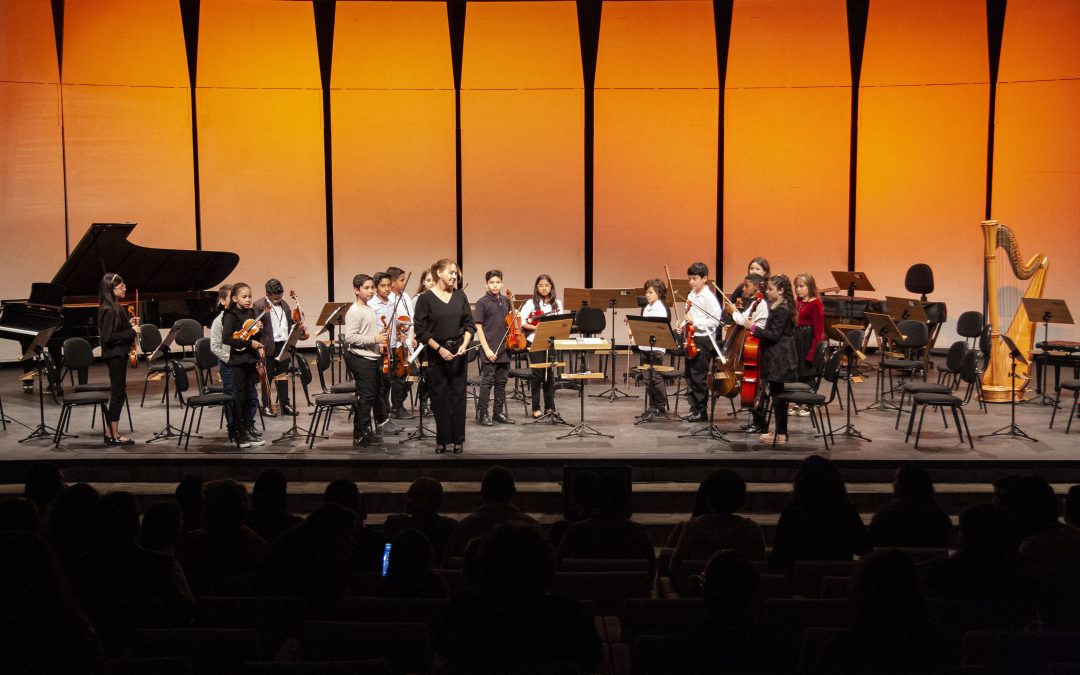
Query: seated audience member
{"points": [[583, 489], [314, 559], [411, 570], [367, 544], [44, 483], [189, 497], [422, 501], [1072, 506], [724, 493], [727, 639], [1049, 554], [892, 631], [984, 566], [74, 523], [226, 557], [268, 517], [18, 514], [43, 629], [819, 523], [913, 517], [120, 569], [161, 526], [496, 491], [608, 532], [700, 509], [508, 621]]}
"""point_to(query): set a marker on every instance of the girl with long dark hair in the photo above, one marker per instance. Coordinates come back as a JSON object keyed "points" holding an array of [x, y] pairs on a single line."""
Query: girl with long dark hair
{"points": [[544, 301], [242, 359], [117, 332], [777, 354]]}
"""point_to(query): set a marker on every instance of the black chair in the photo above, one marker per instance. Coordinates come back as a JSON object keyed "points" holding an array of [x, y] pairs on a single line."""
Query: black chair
{"points": [[817, 367], [523, 377], [916, 335], [188, 332], [205, 362], [323, 362], [942, 401], [325, 404], [149, 340], [919, 279], [79, 354], [68, 402], [970, 326], [1068, 385], [590, 323], [954, 361], [817, 402], [192, 403]]}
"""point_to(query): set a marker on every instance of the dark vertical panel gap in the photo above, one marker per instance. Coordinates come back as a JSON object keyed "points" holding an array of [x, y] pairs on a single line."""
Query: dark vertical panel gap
{"points": [[325, 13], [58, 32], [455, 15], [995, 29], [189, 16], [722, 12], [857, 13], [588, 12]]}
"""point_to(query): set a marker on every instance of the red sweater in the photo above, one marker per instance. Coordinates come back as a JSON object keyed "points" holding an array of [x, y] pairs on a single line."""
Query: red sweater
{"points": [[812, 314]]}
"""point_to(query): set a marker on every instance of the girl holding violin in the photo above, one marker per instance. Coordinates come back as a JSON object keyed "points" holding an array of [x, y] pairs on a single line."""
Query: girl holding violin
{"points": [[543, 302], [117, 337], [240, 327], [491, 316], [656, 388]]}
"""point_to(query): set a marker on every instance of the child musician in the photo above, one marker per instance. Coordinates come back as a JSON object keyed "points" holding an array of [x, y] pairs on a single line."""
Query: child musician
{"points": [[383, 308], [656, 389], [243, 356], [117, 335], [754, 309], [777, 354], [544, 301], [402, 306], [739, 297], [364, 340], [811, 314], [491, 330], [277, 326], [704, 315]]}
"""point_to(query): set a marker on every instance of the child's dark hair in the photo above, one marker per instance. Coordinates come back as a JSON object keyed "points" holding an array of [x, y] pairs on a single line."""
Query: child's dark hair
{"points": [[224, 292], [359, 280], [659, 287], [787, 294], [536, 294], [756, 279], [395, 273], [763, 263], [236, 288], [698, 269], [493, 273], [379, 276]]}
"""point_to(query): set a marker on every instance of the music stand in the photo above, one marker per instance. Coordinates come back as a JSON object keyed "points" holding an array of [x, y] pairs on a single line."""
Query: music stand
{"points": [[849, 282], [854, 355], [163, 350], [1013, 429], [656, 332], [548, 330], [905, 309], [1046, 311], [575, 298], [420, 432], [886, 328], [35, 352], [333, 314], [622, 298], [288, 353]]}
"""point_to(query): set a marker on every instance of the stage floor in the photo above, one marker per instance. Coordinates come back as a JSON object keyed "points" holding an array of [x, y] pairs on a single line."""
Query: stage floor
{"points": [[524, 441]]}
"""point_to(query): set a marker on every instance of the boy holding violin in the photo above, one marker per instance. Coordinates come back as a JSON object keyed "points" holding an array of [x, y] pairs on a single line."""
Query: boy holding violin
{"points": [[275, 333], [492, 329], [401, 306], [384, 311]]}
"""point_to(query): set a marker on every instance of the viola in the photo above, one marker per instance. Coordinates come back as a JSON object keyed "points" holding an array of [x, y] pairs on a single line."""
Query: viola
{"points": [[515, 336], [249, 329]]}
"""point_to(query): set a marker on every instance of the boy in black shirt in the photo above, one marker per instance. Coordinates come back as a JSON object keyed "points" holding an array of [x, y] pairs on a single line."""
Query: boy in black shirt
{"points": [[491, 313]]}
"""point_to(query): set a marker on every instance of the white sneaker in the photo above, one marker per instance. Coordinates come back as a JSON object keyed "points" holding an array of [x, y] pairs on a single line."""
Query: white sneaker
{"points": [[803, 411]]}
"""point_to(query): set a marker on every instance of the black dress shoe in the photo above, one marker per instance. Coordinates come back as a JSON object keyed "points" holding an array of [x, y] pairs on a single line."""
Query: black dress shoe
{"points": [[401, 414], [501, 418], [109, 440], [458, 449], [288, 410], [752, 429], [268, 412], [696, 417], [485, 421], [440, 449], [123, 441]]}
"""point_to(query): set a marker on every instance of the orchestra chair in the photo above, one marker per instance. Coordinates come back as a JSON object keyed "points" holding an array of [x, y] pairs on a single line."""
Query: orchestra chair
{"points": [[79, 354], [150, 340], [1069, 385], [523, 377], [817, 402], [188, 332], [591, 322], [970, 326], [323, 362], [919, 279], [474, 382], [69, 401], [325, 404], [954, 363], [916, 337], [193, 403], [942, 401], [205, 362]]}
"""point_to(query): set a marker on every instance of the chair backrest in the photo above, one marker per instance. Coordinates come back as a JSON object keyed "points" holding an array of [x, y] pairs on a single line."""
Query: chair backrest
{"points": [[77, 353], [591, 321], [188, 331], [831, 372], [149, 338], [916, 334], [180, 378], [821, 352], [919, 279], [304, 369], [969, 369], [322, 361], [970, 324], [204, 358], [856, 337], [954, 360]]}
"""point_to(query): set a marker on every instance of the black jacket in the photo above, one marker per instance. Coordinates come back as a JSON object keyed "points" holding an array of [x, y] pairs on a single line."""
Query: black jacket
{"points": [[778, 346], [116, 333], [232, 321]]}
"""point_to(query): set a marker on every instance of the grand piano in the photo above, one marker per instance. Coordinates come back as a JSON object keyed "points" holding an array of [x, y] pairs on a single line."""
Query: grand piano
{"points": [[171, 285]]}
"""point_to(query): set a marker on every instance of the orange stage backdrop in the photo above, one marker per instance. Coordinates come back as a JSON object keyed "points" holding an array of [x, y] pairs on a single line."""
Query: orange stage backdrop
{"points": [[1036, 165], [260, 143], [522, 172], [392, 109], [922, 149], [655, 141], [127, 120], [787, 132]]}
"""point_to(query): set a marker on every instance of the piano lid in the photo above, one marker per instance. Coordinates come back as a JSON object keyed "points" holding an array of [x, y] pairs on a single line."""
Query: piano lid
{"points": [[105, 248]]}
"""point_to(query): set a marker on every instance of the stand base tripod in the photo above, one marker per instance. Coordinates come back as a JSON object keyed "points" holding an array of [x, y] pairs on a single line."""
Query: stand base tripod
{"points": [[169, 431], [550, 417], [710, 430], [42, 430], [849, 430], [1011, 430]]}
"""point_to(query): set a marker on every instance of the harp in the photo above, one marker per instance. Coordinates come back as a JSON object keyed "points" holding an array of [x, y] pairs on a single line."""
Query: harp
{"points": [[1002, 291]]}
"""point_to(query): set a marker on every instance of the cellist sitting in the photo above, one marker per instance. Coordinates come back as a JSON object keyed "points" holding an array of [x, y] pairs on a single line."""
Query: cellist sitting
{"points": [[491, 313]]}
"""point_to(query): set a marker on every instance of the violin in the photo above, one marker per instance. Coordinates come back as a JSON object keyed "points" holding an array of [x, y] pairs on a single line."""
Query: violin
{"points": [[249, 329], [515, 336], [260, 366], [691, 346], [298, 314], [385, 349]]}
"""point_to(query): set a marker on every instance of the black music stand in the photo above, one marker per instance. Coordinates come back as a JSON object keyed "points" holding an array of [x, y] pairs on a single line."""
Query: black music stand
{"points": [[854, 355], [1013, 429], [164, 350], [35, 352], [420, 432], [886, 329], [905, 309], [288, 353], [656, 331], [850, 282], [1045, 311], [622, 298], [550, 329], [331, 315]]}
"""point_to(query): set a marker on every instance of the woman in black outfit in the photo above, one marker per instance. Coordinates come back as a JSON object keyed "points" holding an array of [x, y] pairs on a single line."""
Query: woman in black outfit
{"points": [[444, 324], [777, 354], [245, 354], [117, 332]]}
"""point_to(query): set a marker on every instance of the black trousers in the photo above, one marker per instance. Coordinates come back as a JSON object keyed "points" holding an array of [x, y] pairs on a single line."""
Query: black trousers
{"points": [[244, 377], [493, 375], [366, 374], [118, 366], [697, 371], [779, 408], [381, 405], [544, 380], [274, 368], [655, 387], [446, 382]]}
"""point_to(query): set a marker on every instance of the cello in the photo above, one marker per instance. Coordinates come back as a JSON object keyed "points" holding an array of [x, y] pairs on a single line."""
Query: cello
{"points": [[740, 361]]}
